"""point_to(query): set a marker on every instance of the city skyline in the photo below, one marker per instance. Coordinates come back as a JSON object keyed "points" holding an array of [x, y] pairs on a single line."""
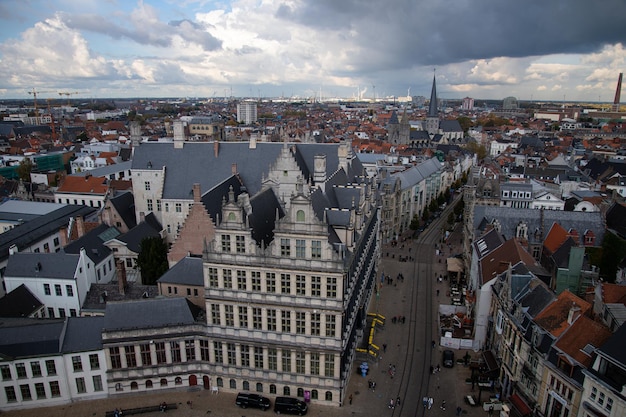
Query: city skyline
{"points": [[365, 49]]}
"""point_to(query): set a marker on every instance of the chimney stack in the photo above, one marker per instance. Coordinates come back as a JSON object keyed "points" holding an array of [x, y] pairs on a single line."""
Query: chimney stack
{"points": [[233, 169], [216, 148], [80, 226], [573, 314], [196, 193], [121, 276]]}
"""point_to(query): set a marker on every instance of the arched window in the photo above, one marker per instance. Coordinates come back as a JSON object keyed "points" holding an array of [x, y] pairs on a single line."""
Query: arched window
{"points": [[259, 387], [220, 382], [286, 391], [300, 217], [233, 384], [272, 389], [231, 217], [314, 394], [178, 381], [148, 384], [118, 387], [163, 382], [134, 386], [300, 392], [246, 386], [329, 396]]}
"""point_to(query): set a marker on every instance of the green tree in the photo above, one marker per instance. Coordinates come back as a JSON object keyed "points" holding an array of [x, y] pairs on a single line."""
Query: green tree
{"points": [[479, 150], [613, 252], [415, 223], [152, 259], [465, 123], [24, 169]]}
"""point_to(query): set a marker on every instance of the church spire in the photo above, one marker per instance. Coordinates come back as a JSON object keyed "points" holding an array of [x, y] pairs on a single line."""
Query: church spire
{"points": [[432, 107]]}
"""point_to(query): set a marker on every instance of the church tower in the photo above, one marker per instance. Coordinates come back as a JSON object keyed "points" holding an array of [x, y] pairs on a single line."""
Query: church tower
{"points": [[432, 119]]}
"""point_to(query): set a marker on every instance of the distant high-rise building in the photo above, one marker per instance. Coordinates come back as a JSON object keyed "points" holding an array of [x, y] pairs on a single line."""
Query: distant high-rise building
{"points": [[246, 112], [510, 103], [468, 103]]}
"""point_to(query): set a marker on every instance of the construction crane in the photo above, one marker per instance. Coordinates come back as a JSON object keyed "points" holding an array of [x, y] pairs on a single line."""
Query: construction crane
{"points": [[68, 94], [34, 93]]}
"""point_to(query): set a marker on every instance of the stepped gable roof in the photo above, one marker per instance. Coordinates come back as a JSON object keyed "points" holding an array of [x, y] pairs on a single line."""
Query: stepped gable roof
{"points": [[93, 242], [29, 340], [124, 203], [150, 313], [265, 205], [554, 317], [582, 332], [57, 265], [196, 162], [150, 227], [614, 347], [27, 233], [510, 252], [187, 271], [214, 197], [83, 334], [19, 303]]}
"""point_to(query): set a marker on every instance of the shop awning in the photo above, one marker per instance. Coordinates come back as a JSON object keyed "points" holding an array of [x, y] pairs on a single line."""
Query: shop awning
{"points": [[520, 405]]}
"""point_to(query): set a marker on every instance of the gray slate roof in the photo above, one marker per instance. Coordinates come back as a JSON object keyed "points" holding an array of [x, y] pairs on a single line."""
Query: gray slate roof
{"points": [[83, 334], [93, 242], [146, 314], [19, 303], [188, 271], [24, 341], [57, 265]]}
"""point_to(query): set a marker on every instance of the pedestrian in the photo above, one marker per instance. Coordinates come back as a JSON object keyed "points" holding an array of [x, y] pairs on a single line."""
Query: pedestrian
{"points": [[443, 405], [391, 404], [491, 410], [350, 399], [384, 347], [432, 370], [437, 293], [398, 401], [458, 410], [433, 344], [117, 412]]}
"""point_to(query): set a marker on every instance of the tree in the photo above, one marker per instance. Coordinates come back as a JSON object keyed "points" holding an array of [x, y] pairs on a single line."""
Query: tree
{"points": [[415, 223], [152, 259], [24, 169], [465, 123]]}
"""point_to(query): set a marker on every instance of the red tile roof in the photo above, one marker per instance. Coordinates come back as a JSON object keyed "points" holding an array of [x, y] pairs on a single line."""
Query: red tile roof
{"points": [[554, 317], [613, 293], [497, 261], [84, 185], [582, 332], [555, 238]]}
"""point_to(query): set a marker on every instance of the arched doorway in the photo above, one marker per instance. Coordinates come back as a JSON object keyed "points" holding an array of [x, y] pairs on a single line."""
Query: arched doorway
{"points": [[193, 380], [206, 382]]}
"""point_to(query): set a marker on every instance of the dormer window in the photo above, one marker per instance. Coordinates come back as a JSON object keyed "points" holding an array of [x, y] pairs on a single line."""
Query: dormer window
{"points": [[300, 216]]}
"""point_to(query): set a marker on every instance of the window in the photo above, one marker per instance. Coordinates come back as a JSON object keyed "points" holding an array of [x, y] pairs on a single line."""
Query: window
{"points": [[243, 317], [271, 320], [601, 398], [329, 365], [25, 390], [215, 314], [225, 243], [594, 393], [51, 368], [270, 282], [189, 291], [257, 318], [40, 391], [331, 287], [167, 208], [94, 361], [61, 312], [330, 325], [258, 357], [175, 351], [178, 207], [228, 278], [80, 385], [69, 290], [46, 289], [77, 364], [256, 281], [272, 359], [158, 205], [131, 358], [160, 352], [146, 185], [149, 204], [240, 244], [285, 321], [116, 357], [316, 286], [204, 350], [231, 354], [241, 280], [97, 383], [316, 249], [213, 282], [55, 390], [285, 247], [57, 290], [300, 362], [300, 285], [286, 362], [285, 284], [245, 356], [20, 369], [315, 324], [6, 372], [190, 350], [72, 312], [315, 363], [10, 393], [300, 216], [300, 322], [609, 404], [300, 248], [229, 315], [144, 353]]}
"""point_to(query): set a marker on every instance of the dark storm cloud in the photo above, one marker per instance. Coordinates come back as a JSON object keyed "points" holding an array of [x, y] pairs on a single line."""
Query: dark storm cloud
{"points": [[406, 33]]}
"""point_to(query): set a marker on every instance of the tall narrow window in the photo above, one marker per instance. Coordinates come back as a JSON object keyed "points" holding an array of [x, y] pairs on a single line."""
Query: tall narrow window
{"points": [[270, 282], [190, 350], [231, 353], [204, 350], [300, 322], [300, 362], [257, 319], [316, 286], [213, 280], [175, 351], [258, 357], [331, 287], [316, 249], [240, 244], [159, 347], [286, 361], [285, 247], [225, 243], [256, 281], [243, 317], [272, 359], [77, 364], [271, 320], [315, 324], [285, 321], [300, 285], [245, 355], [146, 357], [315, 363], [116, 357], [330, 325], [228, 278], [300, 248], [229, 314], [285, 284], [242, 280], [217, 351]]}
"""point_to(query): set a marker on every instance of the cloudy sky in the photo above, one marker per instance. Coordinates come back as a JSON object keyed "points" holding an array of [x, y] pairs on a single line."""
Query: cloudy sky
{"points": [[531, 49]]}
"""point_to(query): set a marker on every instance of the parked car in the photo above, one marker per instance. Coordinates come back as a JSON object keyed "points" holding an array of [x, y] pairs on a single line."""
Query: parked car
{"points": [[448, 358], [288, 405], [245, 400]]}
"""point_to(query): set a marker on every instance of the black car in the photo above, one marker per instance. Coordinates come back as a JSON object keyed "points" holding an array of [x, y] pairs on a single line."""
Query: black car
{"points": [[245, 400], [448, 358], [288, 405]]}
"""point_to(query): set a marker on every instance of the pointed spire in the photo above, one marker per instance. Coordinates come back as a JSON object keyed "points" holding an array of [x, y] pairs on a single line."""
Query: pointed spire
{"points": [[432, 107]]}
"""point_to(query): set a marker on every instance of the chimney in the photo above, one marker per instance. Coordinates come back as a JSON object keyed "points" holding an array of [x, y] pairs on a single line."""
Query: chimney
{"points": [[80, 226], [121, 276], [573, 314], [196, 193], [233, 169], [142, 217], [216, 148], [179, 134], [63, 236], [13, 249]]}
